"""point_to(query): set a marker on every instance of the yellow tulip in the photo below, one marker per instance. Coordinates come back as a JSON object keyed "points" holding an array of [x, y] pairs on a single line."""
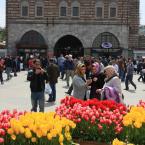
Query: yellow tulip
{"points": [[13, 137], [61, 138], [10, 131], [138, 124], [28, 134], [49, 136], [33, 139]]}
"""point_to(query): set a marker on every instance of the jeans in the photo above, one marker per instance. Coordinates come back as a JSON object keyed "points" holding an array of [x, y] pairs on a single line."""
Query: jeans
{"points": [[69, 73], [129, 79], [8, 72], [37, 98], [122, 74], [61, 69], [53, 87]]}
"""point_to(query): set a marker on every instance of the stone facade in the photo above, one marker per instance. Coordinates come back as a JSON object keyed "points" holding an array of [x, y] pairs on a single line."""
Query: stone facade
{"points": [[86, 27]]}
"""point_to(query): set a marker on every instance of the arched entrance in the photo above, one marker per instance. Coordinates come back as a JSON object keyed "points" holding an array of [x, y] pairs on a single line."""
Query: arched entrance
{"points": [[69, 44], [31, 42], [106, 44]]}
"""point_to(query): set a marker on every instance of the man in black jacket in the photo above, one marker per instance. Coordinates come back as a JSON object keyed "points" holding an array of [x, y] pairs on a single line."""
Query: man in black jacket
{"points": [[37, 78], [53, 74]]}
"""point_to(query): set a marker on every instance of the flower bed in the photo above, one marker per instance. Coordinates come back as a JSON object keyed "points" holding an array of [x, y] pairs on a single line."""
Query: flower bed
{"points": [[96, 120], [5, 117], [40, 128], [134, 122]]}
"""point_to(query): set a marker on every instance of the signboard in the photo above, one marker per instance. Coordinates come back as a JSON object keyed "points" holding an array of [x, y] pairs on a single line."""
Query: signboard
{"points": [[106, 45]]}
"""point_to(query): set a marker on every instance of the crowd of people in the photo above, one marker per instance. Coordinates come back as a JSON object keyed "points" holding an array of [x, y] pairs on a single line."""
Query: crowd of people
{"points": [[91, 77]]}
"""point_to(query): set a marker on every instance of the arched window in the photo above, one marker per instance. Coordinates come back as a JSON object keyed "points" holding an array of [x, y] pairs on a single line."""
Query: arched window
{"points": [[113, 9], [39, 8], [63, 8], [99, 9], [24, 8], [75, 8]]}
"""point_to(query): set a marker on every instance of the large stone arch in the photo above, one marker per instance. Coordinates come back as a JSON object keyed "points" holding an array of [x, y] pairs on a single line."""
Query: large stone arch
{"points": [[26, 31], [106, 43], [69, 44], [31, 42]]}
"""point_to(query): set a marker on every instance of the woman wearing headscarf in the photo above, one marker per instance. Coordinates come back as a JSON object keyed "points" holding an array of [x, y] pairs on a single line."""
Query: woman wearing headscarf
{"points": [[97, 80], [80, 84], [112, 87]]}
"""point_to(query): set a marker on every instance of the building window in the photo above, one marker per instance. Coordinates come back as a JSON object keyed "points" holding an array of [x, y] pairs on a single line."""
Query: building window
{"points": [[99, 12], [99, 9], [63, 11], [63, 8], [113, 10], [24, 8], [39, 8], [75, 8]]}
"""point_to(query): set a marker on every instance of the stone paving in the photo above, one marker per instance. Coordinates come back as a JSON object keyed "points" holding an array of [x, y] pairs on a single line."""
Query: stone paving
{"points": [[15, 94]]}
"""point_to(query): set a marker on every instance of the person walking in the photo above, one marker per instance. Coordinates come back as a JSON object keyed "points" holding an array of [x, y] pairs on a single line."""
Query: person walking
{"points": [[129, 75], [60, 62], [69, 68], [53, 74], [1, 71], [37, 78]]}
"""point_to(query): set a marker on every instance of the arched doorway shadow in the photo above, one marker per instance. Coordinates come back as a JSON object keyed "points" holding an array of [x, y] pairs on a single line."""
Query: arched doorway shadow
{"points": [[32, 42], [69, 44], [106, 44]]}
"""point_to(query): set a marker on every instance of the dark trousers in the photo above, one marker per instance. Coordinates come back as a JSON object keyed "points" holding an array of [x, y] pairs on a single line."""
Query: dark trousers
{"points": [[53, 87], [37, 98], [70, 89], [1, 77], [129, 79]]}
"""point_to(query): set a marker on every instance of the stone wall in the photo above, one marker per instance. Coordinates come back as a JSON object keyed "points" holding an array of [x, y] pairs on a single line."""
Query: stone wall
{"points": [[133, 22], [86, 27], [141, 42], [85, 33]]}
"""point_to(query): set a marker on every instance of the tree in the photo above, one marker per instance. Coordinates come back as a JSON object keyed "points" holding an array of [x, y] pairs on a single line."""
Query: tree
{"points": [[2, 34]]}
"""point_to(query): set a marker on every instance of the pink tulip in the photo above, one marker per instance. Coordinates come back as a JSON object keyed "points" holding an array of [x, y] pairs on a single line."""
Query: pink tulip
{"points": [[1, 140]]}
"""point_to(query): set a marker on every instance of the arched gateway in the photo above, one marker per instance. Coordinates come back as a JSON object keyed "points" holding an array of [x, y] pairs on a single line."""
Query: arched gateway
{"points": [[31, 42], [69, 44], [106, 44]]}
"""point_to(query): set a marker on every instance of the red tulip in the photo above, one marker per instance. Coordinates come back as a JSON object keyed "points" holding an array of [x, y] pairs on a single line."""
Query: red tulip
{"points": [[2, 132]]}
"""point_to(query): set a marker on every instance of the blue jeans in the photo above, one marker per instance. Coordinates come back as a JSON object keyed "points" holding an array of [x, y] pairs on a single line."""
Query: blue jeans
{"points": [[122, 74], [53, 87], [37, 98], [129, 78]]}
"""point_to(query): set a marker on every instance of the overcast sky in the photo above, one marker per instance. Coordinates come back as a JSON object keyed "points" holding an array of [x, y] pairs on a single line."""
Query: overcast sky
{"points": [[2, 12]]}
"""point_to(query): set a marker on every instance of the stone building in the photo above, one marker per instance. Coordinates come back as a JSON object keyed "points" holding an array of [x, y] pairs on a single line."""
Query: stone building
{"points": [[89, 27]]}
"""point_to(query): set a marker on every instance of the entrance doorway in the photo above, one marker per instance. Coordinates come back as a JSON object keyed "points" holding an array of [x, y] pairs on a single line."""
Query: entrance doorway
{"points": [[69, 44], [106, 44], [31, 42]]}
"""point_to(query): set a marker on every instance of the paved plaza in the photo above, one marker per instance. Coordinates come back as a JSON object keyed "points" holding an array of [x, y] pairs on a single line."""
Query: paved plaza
{"points": [[15, 94]]}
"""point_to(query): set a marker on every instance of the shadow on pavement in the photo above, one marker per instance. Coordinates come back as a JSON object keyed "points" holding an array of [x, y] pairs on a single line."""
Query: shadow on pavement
{"points": [[49, 104]]}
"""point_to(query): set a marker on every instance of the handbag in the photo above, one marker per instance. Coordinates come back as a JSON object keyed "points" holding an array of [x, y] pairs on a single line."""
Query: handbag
{"points": [[48, 89]]}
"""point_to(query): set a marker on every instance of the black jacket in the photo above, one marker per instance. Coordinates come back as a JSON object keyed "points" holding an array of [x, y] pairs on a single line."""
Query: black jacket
{"points": [[96, 85], [37, 81], [53, 73]]}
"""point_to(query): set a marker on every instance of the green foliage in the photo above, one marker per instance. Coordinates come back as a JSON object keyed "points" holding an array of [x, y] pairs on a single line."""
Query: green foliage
{"points": [[2, 34]]}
